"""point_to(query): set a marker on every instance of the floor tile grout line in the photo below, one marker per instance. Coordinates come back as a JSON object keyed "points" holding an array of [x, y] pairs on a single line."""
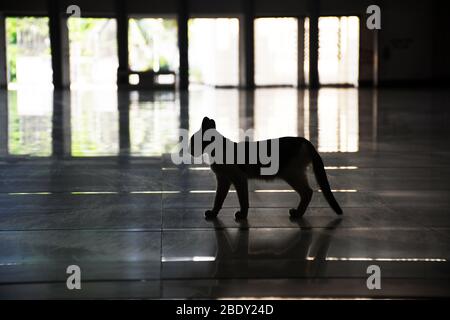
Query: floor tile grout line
{"points": [[162, 279], [290, 227]]}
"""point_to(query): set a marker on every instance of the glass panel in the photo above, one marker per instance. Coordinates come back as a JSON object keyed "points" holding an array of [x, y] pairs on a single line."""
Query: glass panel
{"points": [[214, 51], [93, 52], [338, 120], [154, 123], [28, 52], [338, 50], [153, 44], [30, 122], [95, 123], [306, 52], [222, 105], [274, 124], [276, 45]]}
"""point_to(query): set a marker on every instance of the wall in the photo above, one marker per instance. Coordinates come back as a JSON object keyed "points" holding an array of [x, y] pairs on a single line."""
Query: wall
{"points": [[405, 47], [413, 42]]}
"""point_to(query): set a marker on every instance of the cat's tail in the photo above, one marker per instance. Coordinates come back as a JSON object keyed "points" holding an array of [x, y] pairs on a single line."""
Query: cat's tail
{"points": [[322, 180]]}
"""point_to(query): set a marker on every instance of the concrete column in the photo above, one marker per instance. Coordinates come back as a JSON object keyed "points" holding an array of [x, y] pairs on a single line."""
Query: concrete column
{"points": [[368, 55], [61, 124], [247, 46], [375, 119], [122, 44], [3, 74], [59, 42], [301, 113], [313, 117], [375, 39], [184, 110], [184, 125], [3, 123], [183, 45], [246, 109], [123, 104], [314, 9]]}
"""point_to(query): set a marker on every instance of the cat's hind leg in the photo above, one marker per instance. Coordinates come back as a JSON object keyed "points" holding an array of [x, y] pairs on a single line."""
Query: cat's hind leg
{"points": [[299, 182], [241, 186]]}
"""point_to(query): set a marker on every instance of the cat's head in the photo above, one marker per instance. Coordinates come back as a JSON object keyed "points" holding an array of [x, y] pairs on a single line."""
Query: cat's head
{"points": [[197, 137]]}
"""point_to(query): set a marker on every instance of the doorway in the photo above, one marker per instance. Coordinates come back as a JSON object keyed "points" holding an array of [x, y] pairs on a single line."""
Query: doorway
{"points": [[338, 61], [214, 51], [276, 51], [93, 53]]}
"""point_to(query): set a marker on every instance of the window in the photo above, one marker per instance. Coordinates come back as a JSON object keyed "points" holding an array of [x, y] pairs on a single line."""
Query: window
{"points": [[214, 51], [338, 50], [93, 52], [28, 52], [153, 44], [276, 57]]}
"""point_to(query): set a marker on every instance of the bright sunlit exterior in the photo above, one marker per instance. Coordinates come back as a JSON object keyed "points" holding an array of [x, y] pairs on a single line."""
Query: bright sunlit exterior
{"points": [[276, 42], [338, 50]]}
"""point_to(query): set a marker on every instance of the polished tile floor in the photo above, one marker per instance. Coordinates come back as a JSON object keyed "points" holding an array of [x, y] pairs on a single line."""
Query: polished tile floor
{"points": [[86, 179]]}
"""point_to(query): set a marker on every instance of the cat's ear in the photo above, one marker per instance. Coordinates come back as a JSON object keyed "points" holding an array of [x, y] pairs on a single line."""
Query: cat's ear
{"points": [[208, 123], [205, 122]]}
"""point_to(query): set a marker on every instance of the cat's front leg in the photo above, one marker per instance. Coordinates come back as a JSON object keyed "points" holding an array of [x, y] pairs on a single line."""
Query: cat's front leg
{"points": [[241, 186], [223, 186]]}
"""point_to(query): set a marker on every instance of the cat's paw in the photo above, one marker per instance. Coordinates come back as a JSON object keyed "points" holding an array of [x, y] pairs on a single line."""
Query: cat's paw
{"points": [[209, 214], [240, 216], [295, 213]]}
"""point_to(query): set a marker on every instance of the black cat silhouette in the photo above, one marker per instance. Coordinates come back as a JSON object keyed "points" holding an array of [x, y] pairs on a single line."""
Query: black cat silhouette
{"points": [[294, 155]]}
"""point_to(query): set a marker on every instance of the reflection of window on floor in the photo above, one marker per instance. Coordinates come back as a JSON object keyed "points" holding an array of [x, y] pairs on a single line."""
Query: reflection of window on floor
{"points": [[154, 123], [214, 51], [306, 115], [30, 122], [28, 52], [273, 124], [338, 50], [93, 52], [222, 105], [337, 112], [95, 123], [153, 44], [276, 41]]}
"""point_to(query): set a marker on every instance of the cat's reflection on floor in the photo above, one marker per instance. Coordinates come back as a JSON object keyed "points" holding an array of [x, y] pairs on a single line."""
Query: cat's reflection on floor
{"points": [[243, 253]]}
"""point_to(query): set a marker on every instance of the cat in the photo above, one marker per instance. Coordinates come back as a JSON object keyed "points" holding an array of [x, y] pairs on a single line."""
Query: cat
{"points": [[295, 154]]}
